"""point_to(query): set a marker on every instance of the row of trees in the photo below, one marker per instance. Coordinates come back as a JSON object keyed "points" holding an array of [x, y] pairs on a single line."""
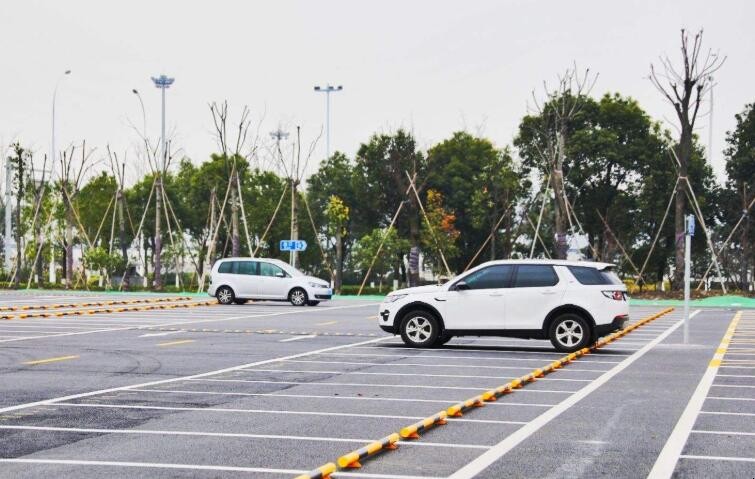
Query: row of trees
{"points": [[587, 176]]}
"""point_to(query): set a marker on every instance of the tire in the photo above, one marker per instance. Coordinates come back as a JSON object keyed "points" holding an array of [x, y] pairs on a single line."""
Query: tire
{"points": [[442, 339], [312, 303], [569, 333], [419, 329], [225, 295], [240, 301], [298, 297]]}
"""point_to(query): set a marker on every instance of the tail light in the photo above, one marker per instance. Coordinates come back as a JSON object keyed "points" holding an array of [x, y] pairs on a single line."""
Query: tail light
{"points": [[615, 295]]}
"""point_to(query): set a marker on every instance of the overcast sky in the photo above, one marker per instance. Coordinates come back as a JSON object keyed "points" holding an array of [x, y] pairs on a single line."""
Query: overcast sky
{"points": [[434, 67]]}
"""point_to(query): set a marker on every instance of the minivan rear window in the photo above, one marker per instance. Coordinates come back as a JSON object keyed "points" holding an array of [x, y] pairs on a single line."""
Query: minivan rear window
{"points": [[593, 276]]}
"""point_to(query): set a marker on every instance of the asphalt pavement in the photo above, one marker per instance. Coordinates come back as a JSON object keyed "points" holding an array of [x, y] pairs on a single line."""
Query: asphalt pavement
{"points": [[180, 388]]}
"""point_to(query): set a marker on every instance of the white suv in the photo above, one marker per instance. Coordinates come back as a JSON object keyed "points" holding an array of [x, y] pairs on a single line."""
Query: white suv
{"points": [[571, 303], [237, 280]]}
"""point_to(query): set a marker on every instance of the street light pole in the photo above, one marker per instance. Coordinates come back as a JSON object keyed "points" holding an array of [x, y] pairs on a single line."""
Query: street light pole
{"points": [[328, 89], [142, 251], [51, 274], [163, 83]]}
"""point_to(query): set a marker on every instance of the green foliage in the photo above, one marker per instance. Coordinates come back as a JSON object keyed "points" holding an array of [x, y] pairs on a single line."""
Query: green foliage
{"points": [[98, 258], [390, 255]]}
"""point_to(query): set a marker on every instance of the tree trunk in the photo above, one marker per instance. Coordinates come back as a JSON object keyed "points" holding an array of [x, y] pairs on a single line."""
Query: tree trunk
{"points": [[69, 245], [158, 283], [294, 220], [557, 180], [414, 241], [745, 242], [122, 240], [235, 241], [492, 242], [684, 152], [339, 261]]}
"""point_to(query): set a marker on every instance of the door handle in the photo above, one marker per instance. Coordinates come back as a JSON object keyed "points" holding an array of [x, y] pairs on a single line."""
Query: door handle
{"points": [[548, 292], [496, 294]]}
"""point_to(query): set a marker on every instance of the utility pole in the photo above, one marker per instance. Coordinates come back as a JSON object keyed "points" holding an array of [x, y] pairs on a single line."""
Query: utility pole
{"points": [[328, 89], [163, 83]]}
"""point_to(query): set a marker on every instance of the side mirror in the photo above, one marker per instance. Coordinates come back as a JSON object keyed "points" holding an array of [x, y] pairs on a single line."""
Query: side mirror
{"points": [[280, 275], [461, 286]]}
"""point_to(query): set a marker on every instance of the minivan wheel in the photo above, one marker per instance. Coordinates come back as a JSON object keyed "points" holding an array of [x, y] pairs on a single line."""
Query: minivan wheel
{"points": [[225, 295], [312, 303], [569, 333], [419, 329], [442, 339], [298, 297]]}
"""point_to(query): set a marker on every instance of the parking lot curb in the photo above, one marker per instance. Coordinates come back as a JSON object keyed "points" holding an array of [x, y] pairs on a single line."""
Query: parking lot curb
{"points": [[148, 307], [412, 432], [322, 472], [351, 460], [29, 307]]}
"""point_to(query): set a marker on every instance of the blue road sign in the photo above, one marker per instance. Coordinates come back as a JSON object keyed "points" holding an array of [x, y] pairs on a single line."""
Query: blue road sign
{"points": [[293, 245]]}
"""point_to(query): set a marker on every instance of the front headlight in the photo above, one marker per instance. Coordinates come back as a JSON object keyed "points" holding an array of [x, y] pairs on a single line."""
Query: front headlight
{"points": [[317, 285], [394, 297]]}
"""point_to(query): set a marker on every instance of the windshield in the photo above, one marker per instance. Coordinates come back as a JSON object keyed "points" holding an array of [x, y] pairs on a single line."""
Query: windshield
{"points": [[288, 268]]}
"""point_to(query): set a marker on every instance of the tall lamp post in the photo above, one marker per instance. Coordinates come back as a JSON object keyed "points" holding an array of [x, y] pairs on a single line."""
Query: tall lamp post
{"points": [[142, 252], [328, 89], [163, 83], [52, 275]]}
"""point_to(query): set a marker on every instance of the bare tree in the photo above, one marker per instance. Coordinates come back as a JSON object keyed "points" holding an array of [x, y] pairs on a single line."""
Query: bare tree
{"points": [[119, 172], [242, 148], [558, 109], [71, 176], [685, 90]]}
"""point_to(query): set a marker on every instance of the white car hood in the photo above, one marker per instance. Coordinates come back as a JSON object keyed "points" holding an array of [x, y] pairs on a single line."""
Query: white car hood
{"points": [[431, 288], [314, 279]]}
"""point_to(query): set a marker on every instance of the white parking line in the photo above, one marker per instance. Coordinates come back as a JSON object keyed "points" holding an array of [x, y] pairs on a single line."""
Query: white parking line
{"points": [[198, 467], [181, 378], [666, 462], [297, 338], [499, 378], [227, 435], [317, 396], [183, 323], [718, 458], [402, 386], [724, 413], [274, 412], [496, 452], [730, 399], [436, 356], [448, 366], [725, 433]]}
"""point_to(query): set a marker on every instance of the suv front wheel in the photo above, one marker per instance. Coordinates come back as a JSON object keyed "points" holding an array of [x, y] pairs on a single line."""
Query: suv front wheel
{"points": [[419, 329], [569, 332]]}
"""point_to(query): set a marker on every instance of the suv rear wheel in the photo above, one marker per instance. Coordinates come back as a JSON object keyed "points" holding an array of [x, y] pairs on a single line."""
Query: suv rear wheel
{"points": [[419, 329], [570, 332]]}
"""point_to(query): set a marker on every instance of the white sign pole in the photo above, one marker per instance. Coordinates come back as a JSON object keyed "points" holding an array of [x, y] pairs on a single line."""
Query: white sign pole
{"points": [[689, 231]]}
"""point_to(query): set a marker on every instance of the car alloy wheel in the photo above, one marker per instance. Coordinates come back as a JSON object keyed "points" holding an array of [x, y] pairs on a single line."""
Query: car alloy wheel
{"points": [[419, 329], [298, 297], [225, 295], [569, 333]]}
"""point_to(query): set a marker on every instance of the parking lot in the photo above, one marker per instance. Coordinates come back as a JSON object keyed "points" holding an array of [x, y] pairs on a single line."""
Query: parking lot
{"points": [[183, 388]]}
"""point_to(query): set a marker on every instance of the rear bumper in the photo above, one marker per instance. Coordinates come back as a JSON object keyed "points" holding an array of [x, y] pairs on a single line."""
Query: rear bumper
{"points": [[615, 325]]}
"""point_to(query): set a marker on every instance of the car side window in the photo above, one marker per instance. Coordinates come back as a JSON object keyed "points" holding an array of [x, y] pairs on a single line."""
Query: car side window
{"points": [[225, 267], [267, 269], [493, 277], [247, 267], [535, 275]]}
